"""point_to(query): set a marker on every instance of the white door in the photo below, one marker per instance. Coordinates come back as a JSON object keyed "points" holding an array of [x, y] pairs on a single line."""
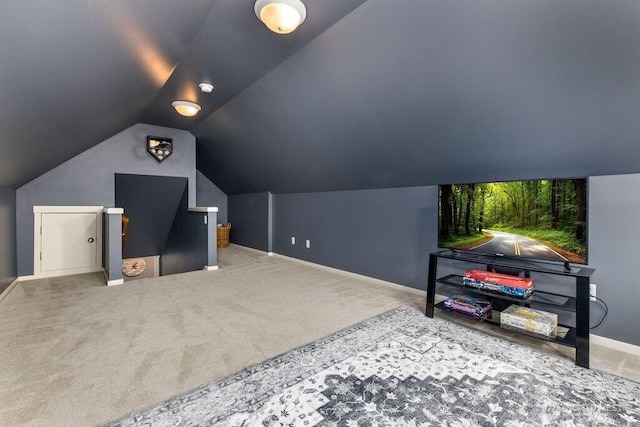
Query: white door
{"points": [[69, 242]]}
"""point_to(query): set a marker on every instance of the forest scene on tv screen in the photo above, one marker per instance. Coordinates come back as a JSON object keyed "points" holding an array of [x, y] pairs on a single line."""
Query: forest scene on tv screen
{"points": [[538, 219]]}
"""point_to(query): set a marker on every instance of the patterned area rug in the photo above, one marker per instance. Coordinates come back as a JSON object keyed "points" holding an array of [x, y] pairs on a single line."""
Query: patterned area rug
{"points": [[404, 369]]}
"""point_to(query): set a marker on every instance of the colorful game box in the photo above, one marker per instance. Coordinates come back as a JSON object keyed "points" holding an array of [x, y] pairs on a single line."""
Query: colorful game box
{"points": [[505, 284], [471, 306]]}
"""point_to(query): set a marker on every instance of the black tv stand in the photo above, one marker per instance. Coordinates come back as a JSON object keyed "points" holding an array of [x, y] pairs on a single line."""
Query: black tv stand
{"points": [[577, 301]]}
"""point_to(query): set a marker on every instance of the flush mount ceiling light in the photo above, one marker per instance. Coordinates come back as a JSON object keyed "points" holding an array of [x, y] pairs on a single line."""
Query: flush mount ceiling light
{"points": [[206, 87], [281, 16], [186, 108]]}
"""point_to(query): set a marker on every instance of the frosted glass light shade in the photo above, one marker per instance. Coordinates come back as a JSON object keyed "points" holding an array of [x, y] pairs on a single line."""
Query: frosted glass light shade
{"points": [[186, 108], [281, 16]]}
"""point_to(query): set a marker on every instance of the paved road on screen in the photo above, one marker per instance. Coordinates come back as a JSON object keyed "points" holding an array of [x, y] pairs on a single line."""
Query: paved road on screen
{"points": [[517, 245]]}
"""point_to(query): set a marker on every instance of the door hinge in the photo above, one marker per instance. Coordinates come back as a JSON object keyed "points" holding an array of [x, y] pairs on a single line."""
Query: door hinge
{"points": [[41, 230], [40, 256]]}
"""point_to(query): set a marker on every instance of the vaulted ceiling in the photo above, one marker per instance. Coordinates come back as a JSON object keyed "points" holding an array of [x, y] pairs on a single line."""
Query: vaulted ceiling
{"points": [[365, 94]]}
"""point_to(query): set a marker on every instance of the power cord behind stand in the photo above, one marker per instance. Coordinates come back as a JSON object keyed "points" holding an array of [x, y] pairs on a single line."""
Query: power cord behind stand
{"points": [[606, 311]]}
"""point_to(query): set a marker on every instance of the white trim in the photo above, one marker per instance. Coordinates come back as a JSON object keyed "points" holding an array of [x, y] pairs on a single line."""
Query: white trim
{"points": [[115, 282], [210, 267], [67, 209], [202, 209], [37, 243], [156, 265], [352, 274], [615, 345], [270, 253], [8, 289], [114, 211], [26, 278], [61, 273]]}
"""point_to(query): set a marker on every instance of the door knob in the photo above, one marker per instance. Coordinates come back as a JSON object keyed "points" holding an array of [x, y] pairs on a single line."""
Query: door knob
{"points": [[90, 239]]}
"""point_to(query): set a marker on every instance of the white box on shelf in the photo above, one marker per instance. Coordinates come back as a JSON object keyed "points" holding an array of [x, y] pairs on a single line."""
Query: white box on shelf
{"points": [[540, 322]]}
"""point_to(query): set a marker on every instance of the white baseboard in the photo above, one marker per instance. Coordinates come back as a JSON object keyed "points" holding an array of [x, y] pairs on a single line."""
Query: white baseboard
{"points": [[8, 289], [61, 273], [615, 345], [337, 270], [210, 267], [112, 282]]}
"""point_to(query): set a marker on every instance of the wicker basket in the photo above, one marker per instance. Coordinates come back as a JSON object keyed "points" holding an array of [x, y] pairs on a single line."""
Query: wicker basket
{"points": [[223, 236]]}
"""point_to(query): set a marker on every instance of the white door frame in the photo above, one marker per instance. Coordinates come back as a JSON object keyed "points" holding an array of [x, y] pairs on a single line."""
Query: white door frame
{"points": [[37, 239]]}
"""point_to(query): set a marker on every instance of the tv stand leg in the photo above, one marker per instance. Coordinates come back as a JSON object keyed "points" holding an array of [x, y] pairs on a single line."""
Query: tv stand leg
{"points": [[582, 322]]}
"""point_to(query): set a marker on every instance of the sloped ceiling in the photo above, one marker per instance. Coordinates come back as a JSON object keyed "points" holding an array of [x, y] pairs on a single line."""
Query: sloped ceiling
{"points": [[365, 94], [414, 92], [75, 72]]}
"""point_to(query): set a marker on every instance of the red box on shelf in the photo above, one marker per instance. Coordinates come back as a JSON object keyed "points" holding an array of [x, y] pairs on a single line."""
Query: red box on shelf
{"points": [[515, 286]]}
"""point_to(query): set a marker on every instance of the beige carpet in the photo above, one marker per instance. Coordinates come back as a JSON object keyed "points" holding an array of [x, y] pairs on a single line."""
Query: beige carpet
{"points": [[75, 352]]}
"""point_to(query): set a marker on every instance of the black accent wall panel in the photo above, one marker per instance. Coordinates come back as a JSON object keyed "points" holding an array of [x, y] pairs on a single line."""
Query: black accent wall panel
{"points": [[151, 203], [187, 244]]}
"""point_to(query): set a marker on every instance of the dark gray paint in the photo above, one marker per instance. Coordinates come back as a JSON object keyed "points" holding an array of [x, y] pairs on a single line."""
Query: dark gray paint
{"points": [[413, 92], [614, 233], [76, 72], [345, 102], [270, 217], [249, 217], [209, 195], [112, 246], [385, 234], [188, 242], [232, 50], [150, 203], [88, 179], [388, 233], [7, 237]]}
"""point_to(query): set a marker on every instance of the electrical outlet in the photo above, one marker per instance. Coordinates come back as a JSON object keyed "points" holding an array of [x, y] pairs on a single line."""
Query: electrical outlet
{"points": [[293, 240], [308, 244], [592, 292]]}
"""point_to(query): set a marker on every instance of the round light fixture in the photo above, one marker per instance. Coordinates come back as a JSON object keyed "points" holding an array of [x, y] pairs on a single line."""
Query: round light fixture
{"points": [[186, 108], [206, 87], [281, 16]]}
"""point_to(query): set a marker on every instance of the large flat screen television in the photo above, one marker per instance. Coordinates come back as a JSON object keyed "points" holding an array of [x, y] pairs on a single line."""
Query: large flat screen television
{"points": [[544, 219]]}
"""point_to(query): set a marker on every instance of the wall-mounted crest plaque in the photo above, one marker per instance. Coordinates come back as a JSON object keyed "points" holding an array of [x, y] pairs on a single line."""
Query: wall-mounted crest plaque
{"points": [[160, 148]]}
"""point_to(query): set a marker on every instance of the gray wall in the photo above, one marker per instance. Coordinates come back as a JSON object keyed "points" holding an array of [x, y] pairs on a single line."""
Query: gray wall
{"points": [[384, 233], [249, 218], [7, 237], [88, 179], [209, 195], [388, 233], [614, 233]]}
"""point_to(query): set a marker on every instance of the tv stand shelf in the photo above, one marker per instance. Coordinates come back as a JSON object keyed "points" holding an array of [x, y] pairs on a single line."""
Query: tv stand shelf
{"points": [[576, 336], [568, 339]]}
